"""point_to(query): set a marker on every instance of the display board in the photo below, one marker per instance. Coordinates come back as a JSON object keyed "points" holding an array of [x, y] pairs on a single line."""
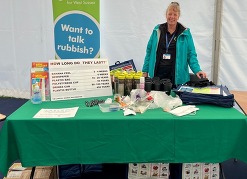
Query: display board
{"points": [[76, 29], [80, 78]]}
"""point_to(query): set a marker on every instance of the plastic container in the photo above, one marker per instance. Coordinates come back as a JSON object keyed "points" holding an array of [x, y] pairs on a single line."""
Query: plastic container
{"points": [[148, 84], [115, 84], [121, 81], [112, 81], [109, 107], [142, 83], [167, 85], [136, 82], [128, 84], [157, 85]]}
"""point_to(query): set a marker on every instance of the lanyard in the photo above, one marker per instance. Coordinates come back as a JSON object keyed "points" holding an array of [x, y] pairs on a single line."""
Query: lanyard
{"points": [[168, 44]]}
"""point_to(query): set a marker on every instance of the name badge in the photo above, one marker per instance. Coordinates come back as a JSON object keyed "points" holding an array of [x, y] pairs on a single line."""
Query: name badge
{"points": [[167, 56]]}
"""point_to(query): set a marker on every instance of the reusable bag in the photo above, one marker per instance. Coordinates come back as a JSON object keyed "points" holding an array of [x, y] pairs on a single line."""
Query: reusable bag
{"points": [[217, 95]]}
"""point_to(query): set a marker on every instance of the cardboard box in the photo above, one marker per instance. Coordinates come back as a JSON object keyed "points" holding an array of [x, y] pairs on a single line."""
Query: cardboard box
{"points": [[16, 167], [16, 171], [44, 172]]}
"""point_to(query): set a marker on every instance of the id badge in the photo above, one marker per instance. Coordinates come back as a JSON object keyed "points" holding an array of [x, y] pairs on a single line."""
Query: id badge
{"points": [[167, 56]]}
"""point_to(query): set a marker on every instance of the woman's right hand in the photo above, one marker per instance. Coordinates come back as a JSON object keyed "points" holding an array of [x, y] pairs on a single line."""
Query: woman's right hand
{"points": [[145, 74]]}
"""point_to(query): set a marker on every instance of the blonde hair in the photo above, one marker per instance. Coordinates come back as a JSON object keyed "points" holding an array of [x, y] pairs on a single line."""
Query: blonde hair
{"points": [[174, 6]]}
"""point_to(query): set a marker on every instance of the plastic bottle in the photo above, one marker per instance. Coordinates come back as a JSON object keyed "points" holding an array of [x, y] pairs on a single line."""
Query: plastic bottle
{"points": [[116, 81], [142, 82], [137, 81], [112, 81], [128, 84], [139, 73], [121, 81], [36, 97]]}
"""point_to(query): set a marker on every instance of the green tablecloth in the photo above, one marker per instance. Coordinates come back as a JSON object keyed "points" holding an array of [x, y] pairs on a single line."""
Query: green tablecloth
{"points": [[214, 134]]}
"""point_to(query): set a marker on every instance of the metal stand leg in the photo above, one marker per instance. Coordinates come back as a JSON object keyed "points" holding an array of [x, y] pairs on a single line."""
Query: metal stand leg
{"points": [[222, 172], [32, 172]]}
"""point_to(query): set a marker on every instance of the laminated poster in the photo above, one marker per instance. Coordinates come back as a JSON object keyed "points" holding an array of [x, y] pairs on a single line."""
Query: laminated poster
{"points": [[200, 171], [76, 28], [148, 170], [80, 78]]}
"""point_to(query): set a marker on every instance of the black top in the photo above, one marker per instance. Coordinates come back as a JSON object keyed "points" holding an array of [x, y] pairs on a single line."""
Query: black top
{"points": [[165, 68]]}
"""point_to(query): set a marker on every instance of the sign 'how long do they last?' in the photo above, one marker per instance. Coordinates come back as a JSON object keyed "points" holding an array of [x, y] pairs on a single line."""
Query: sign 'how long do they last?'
{"points": [[76, 28], [79, 78]]}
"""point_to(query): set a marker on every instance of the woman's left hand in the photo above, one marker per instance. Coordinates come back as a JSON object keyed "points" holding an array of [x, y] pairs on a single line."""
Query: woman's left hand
{"points": [[201, 74]]}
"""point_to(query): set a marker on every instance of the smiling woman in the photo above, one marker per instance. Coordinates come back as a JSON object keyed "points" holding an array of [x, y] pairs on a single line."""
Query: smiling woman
{"points": [[167, 56]]}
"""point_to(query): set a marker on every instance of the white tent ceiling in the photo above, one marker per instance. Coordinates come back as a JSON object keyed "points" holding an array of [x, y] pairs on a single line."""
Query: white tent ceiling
{"points": [[26, 35]]}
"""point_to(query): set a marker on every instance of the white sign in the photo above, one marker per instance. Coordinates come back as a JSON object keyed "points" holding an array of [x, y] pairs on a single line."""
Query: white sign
{"points": [[57, 113], [79, 78]]}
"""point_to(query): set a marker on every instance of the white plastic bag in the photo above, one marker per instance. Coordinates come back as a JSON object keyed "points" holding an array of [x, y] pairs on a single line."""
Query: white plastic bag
{"points": [[167, 103]]}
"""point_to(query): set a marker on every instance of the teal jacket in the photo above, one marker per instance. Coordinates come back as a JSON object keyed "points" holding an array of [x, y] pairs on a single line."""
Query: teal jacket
{"points": [[185, 56]]}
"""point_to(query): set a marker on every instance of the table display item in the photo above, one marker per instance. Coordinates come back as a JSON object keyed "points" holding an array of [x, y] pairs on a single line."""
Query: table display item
{"points": [[148, 170], [217, 95], [136, 82], [148, 84], [128, 84], [36, 97], [201, 170], [40, 71], [127, 65], [121, 81], [166, 85], [142, 82], [109, 107], [115, 81]]}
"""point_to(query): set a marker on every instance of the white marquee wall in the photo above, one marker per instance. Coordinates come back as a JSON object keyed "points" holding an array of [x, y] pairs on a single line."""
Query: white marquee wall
{"points": [[127, 25], [233, 61], [26, 35]]}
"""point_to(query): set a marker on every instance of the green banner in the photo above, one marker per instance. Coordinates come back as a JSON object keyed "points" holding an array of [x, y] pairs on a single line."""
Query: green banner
{"points": [[76, 28]]}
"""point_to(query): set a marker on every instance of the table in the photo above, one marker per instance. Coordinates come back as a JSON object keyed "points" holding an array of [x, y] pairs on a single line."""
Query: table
{"points": [[214, 134], [241, 99]]}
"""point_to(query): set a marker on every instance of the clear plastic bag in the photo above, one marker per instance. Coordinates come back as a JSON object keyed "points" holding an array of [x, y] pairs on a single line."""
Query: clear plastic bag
{"points": [[167, 103]]}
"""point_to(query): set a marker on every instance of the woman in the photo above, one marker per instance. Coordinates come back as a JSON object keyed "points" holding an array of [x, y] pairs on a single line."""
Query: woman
{"points": [[170, 50]]}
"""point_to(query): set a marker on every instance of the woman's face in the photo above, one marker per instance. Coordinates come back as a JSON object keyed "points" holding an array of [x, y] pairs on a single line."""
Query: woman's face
{"points": [[172, 16]]}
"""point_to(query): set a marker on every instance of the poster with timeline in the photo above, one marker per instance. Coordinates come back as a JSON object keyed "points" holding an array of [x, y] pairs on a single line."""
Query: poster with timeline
{"points": [[79, 78]]}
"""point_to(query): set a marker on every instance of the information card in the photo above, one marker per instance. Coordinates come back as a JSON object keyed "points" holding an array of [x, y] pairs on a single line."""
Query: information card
{"points": [[79, 78]]}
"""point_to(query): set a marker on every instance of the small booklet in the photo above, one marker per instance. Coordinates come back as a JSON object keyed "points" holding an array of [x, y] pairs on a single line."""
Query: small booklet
{"points": [[202, 90], [40, 72]]}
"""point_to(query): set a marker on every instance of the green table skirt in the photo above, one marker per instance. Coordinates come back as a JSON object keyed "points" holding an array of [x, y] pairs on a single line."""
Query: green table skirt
{"points": [[214, 134]]}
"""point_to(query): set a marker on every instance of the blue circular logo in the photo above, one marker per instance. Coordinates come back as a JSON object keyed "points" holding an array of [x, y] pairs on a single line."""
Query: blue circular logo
{"points": [[77, 36]]}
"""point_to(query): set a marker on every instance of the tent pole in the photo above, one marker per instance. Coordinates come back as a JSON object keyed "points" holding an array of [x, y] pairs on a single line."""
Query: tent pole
{"points": [[216, 40]]}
